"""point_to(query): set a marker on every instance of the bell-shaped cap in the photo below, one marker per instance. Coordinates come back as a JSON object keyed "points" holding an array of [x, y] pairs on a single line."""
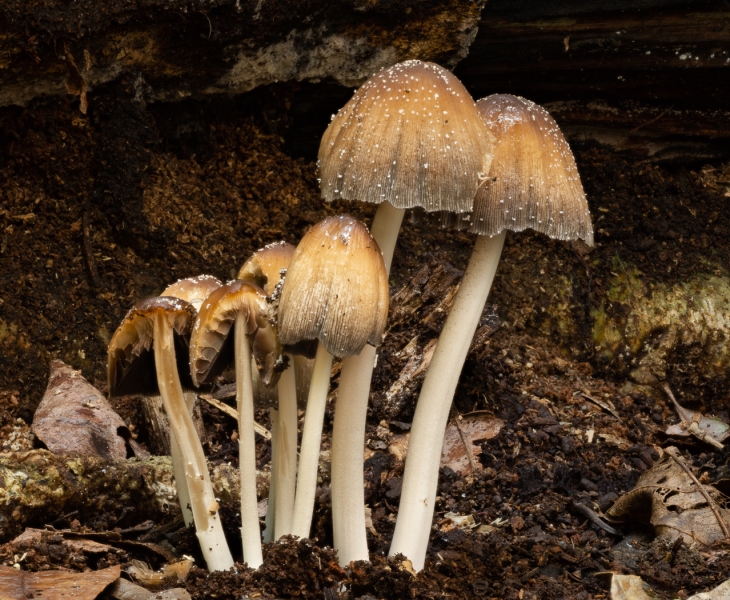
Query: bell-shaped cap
{"points": [[265, 266], [412, 136], [533, 181], [193, 289], [211, 342], [131, 366], [336, 289]]}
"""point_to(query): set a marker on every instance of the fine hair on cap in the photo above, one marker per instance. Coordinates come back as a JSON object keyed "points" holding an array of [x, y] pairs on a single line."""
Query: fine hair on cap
{"points": [[412, 136], [336, 289], [533, 181]]}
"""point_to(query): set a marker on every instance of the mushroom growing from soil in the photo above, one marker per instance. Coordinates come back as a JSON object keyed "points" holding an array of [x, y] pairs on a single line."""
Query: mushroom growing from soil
{"points": [[264, 269], [335, 291], [237, 315], [533, 182], [193, 290], [145, 354]]}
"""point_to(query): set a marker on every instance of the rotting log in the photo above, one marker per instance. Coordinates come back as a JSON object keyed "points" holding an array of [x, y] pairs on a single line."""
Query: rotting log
{"points": [[39, 487], [200, 47]]}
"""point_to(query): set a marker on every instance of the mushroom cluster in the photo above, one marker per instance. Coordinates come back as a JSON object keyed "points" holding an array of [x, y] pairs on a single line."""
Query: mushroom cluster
{"points": [[411, 137]]}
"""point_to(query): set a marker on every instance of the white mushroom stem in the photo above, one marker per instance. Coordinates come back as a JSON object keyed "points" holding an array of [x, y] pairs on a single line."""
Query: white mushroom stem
{"points": [[202, 498], [348, 441], [286, 453], [250, 530], [385, 229], [271, 504], [311, 442], [178, 468], [420, 479]]}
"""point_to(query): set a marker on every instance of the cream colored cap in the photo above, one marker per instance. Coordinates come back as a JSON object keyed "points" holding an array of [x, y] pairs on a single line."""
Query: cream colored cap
{"points": [[412, 136], [336, 289]]}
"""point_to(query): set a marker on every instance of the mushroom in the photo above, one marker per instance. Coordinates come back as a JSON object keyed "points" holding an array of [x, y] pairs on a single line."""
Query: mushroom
{"points": [[335, 291], [193, 290], [144, 354], [533, 182], [237, 315], [265, 269]]}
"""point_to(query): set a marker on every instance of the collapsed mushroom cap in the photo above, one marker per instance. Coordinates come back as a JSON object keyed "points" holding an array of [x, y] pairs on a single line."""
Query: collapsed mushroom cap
{"points": [[533, 181], [211, 342], [193, 289], [412, 136], [336, 289], [265, 266], [131, 367]]}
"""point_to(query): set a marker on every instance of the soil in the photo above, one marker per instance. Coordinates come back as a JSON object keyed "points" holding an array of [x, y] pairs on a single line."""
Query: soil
{"points": [[100, 211]]}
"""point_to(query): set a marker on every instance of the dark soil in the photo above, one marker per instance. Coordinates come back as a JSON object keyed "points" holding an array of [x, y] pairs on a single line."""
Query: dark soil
{"points": [[100, 211]]}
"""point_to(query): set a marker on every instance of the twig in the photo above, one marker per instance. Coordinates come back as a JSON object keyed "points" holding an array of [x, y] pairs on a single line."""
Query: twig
{"points": [[595, 518], [232, 412], [603, 405], [89, 252], [711, 503], [469, 457]]}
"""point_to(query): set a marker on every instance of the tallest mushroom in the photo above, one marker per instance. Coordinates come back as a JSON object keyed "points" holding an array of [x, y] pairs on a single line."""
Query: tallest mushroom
{"points": [[410, 137]]}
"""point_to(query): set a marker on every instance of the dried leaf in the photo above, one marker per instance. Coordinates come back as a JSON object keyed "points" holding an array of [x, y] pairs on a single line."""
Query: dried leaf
{"points": [[666, 497], [55, 585], [707, 429], [74, 418], [126, 590], [461, 448], [630, 587]]}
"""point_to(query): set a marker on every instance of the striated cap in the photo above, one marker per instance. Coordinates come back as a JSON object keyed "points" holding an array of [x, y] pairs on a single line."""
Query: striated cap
{"points": [[265, 266], [131, 366], [193, 289], [533, 181], [211, 342], [336, 289], [412, 136]]}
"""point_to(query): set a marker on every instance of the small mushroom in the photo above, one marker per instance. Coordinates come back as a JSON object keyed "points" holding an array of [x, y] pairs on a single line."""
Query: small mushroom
{"points": [[143, 358], [236, 315], [533, 182], [193, 290], [265, 269], [336, 292]]}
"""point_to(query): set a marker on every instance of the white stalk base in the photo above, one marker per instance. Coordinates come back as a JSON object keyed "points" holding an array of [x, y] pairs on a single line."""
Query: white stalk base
{"points": [[286, 453], [420, 479]]}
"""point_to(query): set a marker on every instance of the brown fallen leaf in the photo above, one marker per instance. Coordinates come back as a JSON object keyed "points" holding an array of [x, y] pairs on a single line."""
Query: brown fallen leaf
{"points": [[630, 587], [461, 448], [670, 498], [74, 418], [710, 430], [126, 590], [55, 585]]}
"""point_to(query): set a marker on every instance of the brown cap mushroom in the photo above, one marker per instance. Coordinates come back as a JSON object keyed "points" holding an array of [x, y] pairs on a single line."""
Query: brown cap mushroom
{"points": [[533, 181], [336, 289], [131, 365], [411, 136], [193, 289], [265, 266], [211, 345]]}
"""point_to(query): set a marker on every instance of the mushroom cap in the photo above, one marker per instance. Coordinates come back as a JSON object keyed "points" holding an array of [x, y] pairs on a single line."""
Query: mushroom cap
{"points": [[265, 266], [131, 362], [533, 181], [412, 136], [336, 289], [193, 289], [211, 342]]}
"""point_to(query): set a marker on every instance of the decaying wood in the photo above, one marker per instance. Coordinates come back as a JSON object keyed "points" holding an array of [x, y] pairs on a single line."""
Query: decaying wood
{"points": [[39, 487], [158, 425]]}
